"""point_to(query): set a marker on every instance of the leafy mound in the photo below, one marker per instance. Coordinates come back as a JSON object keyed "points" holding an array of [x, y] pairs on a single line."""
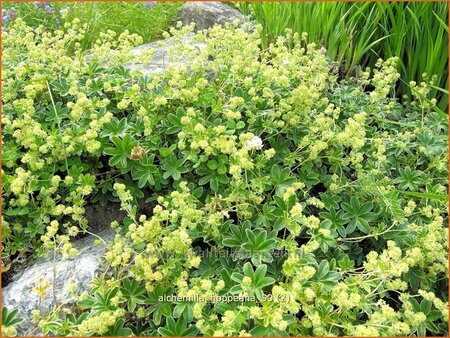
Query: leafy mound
{"points": [[283, 201]]}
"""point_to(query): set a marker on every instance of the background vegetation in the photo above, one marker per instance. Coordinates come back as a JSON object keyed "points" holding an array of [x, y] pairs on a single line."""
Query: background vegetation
{"points": [[358, 34]]}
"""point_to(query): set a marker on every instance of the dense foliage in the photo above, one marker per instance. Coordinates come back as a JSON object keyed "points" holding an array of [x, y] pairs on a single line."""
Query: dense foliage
{"points": [[283, 201], [357, 34]]}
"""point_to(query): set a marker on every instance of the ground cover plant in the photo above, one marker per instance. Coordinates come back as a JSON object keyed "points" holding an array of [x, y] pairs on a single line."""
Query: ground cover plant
{"points": [[358, 34], [283, 201], [148, 18]]}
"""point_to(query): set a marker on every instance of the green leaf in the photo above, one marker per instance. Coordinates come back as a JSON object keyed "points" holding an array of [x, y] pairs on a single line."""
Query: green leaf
{"points": [[114, 128], [121, 152], [10, 318], [176, 329], [167, 151], [237, 289], [248, 271], [409, 179], [118, 330], [174, 122], [425, 306], [237, 277], [179, 309], [346, 263], [358, 215], [144, 172], [240, 125], [322, 270], [237, 236], [281, 179], [212, 164], [214, 184], [431, 196], [260, 273], [134, 293], [265, 281], [421, 330], [173, 167], [17, 211]]}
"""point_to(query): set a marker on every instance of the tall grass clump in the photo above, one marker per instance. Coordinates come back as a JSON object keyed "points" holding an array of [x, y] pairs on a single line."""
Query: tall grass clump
{"points": [[358, 34]]}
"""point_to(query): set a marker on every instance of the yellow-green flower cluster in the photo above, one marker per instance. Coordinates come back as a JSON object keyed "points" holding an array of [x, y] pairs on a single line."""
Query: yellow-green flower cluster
{"points": [[100, 323], [163, 246]]}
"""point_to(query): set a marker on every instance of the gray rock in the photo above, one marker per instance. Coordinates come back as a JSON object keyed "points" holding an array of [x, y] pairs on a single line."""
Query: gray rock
{"points": [[207, 14], [161, 59], [79, 270]]}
